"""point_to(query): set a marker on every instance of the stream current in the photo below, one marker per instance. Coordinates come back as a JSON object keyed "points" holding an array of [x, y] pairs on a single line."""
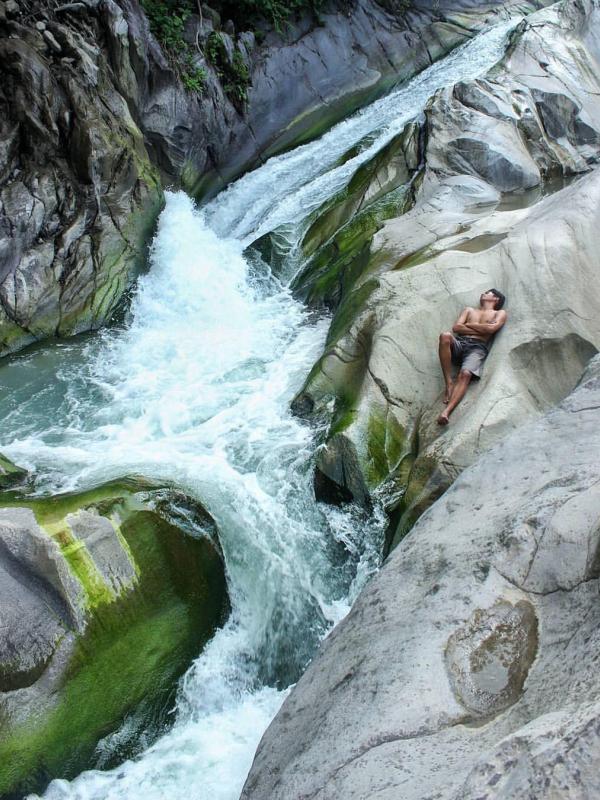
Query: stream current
{"points": [[195, 390]]}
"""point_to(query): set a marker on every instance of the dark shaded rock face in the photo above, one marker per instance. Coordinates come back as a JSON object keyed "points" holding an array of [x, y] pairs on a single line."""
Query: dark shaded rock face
{"points": [[93, 122], [104, 601], [78, 193]]}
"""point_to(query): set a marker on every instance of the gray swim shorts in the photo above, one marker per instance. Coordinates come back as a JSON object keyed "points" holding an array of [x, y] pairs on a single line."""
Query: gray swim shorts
{"points": [[469, 353]]}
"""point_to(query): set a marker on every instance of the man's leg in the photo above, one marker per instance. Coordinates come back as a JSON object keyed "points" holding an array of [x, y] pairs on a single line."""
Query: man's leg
{"points": [[460, 387], [445, 353]]}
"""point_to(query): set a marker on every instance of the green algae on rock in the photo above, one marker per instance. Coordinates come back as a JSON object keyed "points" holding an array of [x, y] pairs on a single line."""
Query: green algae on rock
{"points": [[107, 596], [10, 474], [337, 244]]}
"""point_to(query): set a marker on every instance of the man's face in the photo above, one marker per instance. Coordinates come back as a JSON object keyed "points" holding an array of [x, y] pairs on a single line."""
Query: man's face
{"points": [[486, 297]]}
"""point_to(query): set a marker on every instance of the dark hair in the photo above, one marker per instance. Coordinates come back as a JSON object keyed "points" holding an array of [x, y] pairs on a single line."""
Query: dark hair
{"points": [[501, 298]]}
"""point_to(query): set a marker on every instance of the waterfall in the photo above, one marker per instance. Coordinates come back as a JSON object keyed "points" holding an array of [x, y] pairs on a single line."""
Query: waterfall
{"points": [[195, 390]]}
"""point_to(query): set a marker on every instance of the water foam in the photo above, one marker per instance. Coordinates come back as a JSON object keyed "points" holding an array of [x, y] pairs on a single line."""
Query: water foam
{"points": [[286, 189], [196, 391]]}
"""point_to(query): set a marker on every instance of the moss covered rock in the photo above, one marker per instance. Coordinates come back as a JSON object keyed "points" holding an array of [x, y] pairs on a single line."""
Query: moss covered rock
{"points": [[10, 474], [337, 243], [106, 597]]}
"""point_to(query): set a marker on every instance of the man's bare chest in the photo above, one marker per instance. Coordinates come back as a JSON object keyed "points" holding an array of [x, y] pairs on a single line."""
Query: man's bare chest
{"points": [[481, 317]]}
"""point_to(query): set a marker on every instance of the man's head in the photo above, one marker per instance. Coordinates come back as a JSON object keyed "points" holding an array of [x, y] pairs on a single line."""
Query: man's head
{"points": [[493, 296]]}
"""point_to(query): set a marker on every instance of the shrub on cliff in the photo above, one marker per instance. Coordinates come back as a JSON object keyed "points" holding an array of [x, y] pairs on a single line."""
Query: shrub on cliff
{"points": [[167, 20]]}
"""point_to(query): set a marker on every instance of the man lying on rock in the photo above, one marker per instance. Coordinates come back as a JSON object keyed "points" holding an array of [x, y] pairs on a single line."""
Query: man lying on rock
{"points": [[467, 347]]}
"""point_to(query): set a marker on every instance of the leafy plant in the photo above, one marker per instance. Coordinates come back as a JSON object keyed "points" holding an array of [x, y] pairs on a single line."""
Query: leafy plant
{"points": [[167, 20], [247, 13], [233, 72]]}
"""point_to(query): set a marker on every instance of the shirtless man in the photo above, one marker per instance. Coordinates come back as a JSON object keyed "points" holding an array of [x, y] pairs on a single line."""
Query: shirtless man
{"points": [[467, 347]]}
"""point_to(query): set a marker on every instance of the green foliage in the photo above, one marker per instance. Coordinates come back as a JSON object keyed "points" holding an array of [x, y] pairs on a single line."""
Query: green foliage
{"points": [[400, 7], [233, 73], [167, 22], [247, 13]]}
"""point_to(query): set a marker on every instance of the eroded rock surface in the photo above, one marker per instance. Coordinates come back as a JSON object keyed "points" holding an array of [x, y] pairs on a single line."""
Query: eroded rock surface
{"points": [[468, 668], [104, 602], [78, 192], [496, 203]]}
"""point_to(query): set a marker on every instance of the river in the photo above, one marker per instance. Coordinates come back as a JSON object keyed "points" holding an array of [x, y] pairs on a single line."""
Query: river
{"points": [[195, 389]]}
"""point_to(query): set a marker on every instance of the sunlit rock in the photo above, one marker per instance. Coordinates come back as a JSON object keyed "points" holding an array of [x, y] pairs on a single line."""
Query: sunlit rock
{"points": [[497, 205], [468, 668]]}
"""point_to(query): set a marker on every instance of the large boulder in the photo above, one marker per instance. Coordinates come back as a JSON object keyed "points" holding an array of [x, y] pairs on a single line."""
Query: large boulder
{"points": [[106, 596], [532, 124], [468, 668]]}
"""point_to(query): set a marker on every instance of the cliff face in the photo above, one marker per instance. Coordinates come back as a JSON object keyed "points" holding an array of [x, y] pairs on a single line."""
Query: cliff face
{"points": [[94, 122], [79, 193]]}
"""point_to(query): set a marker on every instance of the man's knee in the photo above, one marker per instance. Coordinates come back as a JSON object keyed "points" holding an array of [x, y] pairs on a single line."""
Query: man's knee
{"points": [[446, 337], [464, 376]]}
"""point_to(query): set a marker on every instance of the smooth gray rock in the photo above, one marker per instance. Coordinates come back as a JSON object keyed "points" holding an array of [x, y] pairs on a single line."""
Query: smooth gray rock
{"points": [[555, 756], [102, 543], [461, 237], [468, 667], [31, 627], [27, 547]]}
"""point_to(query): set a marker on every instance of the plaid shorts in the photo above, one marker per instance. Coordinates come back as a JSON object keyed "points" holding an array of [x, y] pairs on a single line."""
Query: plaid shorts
{"points": [[469, 353]]}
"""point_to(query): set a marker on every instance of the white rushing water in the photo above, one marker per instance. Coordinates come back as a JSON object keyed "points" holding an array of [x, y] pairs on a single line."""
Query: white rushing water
{"points": [[196, 391]]}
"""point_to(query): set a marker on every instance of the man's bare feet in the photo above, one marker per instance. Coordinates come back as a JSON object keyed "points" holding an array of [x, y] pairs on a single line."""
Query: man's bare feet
{"points": [[448, 391], [443, 418]]}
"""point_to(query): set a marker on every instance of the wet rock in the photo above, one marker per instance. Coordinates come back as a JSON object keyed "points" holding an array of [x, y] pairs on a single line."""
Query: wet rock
{"points": [[489, 658], [52, 43], [11, 8], [455, 675], [105, 598], [10, 474]]}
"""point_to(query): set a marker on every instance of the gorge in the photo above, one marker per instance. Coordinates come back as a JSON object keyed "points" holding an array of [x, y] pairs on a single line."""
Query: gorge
{"points": [[263, 403]]}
